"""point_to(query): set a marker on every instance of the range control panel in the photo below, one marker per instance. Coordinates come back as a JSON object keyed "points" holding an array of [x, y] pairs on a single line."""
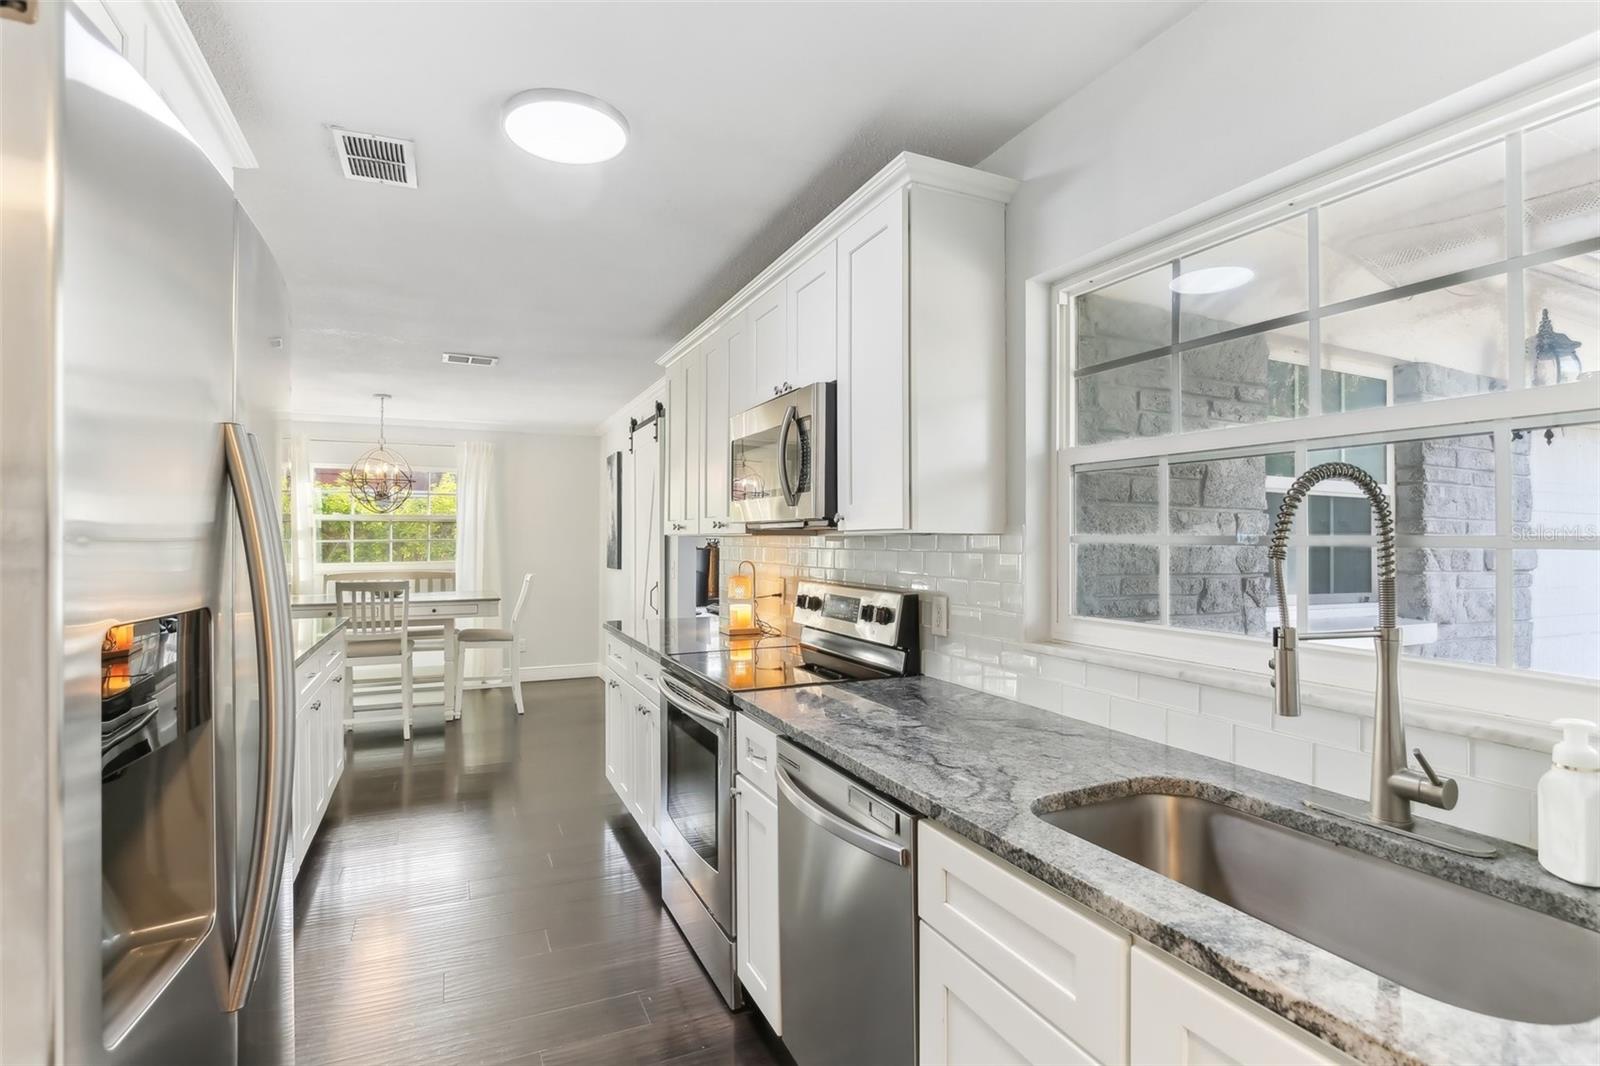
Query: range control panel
{"points": [[868, 613]]}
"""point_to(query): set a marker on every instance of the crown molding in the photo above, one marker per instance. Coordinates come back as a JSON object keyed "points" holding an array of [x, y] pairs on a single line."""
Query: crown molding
{"points": [[167, 20]]}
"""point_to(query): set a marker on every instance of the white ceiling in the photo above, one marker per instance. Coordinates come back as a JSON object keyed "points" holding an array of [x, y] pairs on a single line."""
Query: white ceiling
{"points": [[749, 123]]}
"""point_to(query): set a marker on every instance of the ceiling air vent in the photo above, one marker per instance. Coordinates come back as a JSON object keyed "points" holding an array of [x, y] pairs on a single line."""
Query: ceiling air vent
{"points": [[463, 359], [369, 157]]}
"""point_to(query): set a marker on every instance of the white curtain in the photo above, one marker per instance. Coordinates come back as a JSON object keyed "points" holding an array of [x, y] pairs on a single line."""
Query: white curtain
{"points": [[477, 543], [302, 496]]}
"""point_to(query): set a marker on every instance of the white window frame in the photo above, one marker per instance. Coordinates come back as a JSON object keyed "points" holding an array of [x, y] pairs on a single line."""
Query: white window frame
{"points": [[420, 566], [1501, 689]]}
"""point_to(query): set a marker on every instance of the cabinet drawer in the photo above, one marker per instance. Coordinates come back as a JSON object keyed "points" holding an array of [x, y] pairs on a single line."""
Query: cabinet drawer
{"points": [[967, 1018], [1181, 1015], [757, 748], [646, 669], [1063, 962], [618, 655]]}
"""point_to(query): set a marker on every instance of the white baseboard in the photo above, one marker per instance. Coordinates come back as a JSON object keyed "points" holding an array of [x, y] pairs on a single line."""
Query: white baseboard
{"points": [[560, 672]]}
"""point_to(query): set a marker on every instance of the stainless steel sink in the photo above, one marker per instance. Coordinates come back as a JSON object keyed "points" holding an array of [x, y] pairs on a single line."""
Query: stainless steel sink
{"points": [[1437, 938]]}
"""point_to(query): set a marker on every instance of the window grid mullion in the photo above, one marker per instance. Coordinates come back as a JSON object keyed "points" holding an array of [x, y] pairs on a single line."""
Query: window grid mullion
{"points": [[1314, 308], [1504, 578], [1164, 550], [1302, 551], [1516, 325], [1175, 361]]}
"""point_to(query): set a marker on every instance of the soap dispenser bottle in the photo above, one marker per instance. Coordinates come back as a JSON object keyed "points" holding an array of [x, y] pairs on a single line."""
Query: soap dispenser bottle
{"points": [[1569, 805]]}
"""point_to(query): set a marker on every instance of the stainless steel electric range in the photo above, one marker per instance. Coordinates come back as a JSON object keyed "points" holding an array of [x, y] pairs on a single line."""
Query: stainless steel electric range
{"points": [[846, 633]]}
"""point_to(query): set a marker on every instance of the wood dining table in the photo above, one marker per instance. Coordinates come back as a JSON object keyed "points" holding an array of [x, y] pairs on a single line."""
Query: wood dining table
{"points": [[444, 608]]}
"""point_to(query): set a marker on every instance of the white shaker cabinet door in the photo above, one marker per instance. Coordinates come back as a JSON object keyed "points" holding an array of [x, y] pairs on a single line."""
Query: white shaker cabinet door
{"points": [[755, 851], [813, 299], [1182, 1018], [967, 1018], [769, 345], [873, 371]]}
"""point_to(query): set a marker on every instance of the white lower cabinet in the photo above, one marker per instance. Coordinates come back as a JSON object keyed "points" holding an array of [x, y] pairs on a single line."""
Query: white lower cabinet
{"points": [[755, 909], [1181, 1016], [1068, 966], [1011, 971], [320, 694], [633, 750], [967, 1017]]}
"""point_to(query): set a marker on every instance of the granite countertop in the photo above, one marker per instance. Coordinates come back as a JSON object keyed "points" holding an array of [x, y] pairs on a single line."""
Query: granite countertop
{"points": [[981, 766], [667, 637], [311, 634]]}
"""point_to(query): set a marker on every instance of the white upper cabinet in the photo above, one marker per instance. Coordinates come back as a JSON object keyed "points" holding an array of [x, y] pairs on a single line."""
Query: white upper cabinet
{"points": [[685, 428], [899, 296], [812, 297], [769, 346], [727, 348], [153, 36], [873, 430]]}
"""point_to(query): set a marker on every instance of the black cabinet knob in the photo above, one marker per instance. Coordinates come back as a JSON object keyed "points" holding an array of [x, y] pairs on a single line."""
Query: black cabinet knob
{"points": [[884, 615]]}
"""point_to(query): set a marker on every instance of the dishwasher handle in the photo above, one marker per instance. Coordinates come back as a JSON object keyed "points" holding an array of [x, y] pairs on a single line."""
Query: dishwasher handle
{"points": [[860, 839]]}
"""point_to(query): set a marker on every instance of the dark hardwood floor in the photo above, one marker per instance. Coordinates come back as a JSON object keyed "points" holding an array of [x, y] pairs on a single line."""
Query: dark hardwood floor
{"points": [[481, 896]]}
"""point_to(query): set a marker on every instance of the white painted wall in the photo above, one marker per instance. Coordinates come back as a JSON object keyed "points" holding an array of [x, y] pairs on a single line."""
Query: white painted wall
{"points": [[616, 585], [547, 501]]}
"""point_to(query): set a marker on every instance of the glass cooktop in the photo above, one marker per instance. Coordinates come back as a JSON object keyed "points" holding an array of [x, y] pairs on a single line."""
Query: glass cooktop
{"points": [[745, 669]]}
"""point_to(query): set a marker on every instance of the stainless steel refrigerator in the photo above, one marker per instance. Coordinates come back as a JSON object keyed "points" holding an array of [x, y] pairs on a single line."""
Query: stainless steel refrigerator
{"points": [[145, 651]]}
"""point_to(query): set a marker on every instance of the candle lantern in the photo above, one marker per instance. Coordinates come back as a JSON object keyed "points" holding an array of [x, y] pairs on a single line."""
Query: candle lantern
{"points": [[742, 601]]}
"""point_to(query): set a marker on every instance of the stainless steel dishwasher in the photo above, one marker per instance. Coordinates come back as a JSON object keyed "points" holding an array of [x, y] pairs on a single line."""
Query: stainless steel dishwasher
{"points": [[848, 905]]}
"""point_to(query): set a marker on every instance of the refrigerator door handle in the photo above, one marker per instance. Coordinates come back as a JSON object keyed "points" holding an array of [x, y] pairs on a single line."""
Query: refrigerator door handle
{"points": [[269, 593]]}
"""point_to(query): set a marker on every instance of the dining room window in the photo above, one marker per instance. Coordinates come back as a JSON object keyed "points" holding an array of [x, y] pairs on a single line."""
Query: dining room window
{"points": [[1431, 316], [421, 531]]}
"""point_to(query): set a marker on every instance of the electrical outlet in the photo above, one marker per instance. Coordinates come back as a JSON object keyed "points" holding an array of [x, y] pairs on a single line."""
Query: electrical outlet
{"points": [[522, 645], [939, 615]]}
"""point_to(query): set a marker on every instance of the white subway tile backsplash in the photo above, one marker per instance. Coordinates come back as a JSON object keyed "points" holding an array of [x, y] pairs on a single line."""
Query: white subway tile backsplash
{"points": [[1240, 706], [1110, 679], [984, 593], [1507, 765], [1169, 692], [981, 575], [1343, 771], [1445, 753], [906, 562], [1067, 671], [1022, 662], [1140, 719], [1205, 736], [1320, 726], [1273, 753], [1003, 567], [966, 564], [1040, 692], [1086, 705], [1485, 807]]}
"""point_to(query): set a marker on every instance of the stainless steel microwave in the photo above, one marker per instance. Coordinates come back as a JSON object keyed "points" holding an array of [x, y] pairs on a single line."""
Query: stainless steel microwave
{"points": [[782, 467]]}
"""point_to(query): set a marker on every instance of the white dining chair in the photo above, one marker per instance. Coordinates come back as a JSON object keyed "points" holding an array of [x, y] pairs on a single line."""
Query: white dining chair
{"points": [[377, 633], [492, 639]]}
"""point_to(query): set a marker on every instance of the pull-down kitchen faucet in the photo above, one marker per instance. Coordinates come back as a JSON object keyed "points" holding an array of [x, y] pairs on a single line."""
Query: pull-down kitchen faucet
{"points": [[1395, 786]]}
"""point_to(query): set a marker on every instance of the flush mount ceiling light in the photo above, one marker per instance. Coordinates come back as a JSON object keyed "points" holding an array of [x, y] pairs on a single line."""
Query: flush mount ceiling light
{"points": [[564, 126], [1211, 279]]}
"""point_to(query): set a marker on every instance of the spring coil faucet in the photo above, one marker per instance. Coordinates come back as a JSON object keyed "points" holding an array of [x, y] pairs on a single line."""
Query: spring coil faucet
{"points": [[1394, 784]]}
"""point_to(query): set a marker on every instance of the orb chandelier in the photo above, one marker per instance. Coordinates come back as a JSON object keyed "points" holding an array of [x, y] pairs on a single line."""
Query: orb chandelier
{"points": [[380, 481]]}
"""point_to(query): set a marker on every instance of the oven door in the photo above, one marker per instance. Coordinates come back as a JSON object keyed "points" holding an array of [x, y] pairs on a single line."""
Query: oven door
{"points": [[780, 468], [697, 775]]}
